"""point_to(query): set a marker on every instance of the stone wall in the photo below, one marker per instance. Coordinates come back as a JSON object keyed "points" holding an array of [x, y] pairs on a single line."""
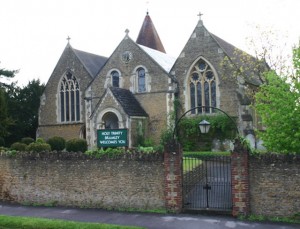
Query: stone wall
{"points": [[67, 131], [275, 185], [72, 179]]}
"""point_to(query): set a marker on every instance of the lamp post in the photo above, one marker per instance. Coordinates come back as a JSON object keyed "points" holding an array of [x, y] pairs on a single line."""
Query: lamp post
{"points": [[204, 126]]}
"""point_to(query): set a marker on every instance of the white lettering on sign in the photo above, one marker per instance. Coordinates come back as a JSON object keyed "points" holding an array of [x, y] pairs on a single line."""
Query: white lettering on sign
{"points": [[116, 132], [108, 142], [105, 133], [111, 137]]}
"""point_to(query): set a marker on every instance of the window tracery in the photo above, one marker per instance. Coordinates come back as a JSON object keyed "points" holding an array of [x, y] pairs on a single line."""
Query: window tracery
{"points": [[69, 98], [202, 86]]}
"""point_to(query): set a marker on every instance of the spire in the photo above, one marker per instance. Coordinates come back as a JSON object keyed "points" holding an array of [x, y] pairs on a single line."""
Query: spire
{"points": [[148, 35]]}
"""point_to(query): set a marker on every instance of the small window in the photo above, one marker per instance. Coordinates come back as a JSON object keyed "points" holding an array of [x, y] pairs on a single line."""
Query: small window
{"points": [[115, 79], [141, 80]]}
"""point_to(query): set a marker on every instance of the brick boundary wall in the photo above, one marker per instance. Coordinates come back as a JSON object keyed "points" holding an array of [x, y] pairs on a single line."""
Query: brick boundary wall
{"points": [[173, 176], [240, 180]]}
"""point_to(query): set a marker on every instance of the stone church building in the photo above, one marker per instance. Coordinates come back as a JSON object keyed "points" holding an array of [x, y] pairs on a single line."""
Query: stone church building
{"points": [[135, 88]]}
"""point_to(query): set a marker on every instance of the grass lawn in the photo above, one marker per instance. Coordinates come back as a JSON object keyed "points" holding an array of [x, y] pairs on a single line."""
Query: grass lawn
{"points": [[193, 159], [16, 222], [190, 163]]}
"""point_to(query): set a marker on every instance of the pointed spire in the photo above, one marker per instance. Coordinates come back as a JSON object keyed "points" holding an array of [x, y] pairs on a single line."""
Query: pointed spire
{"points": [[148, 35]]}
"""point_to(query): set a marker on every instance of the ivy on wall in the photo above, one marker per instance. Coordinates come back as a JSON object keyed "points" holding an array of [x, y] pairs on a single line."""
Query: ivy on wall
{"points": [[221, 127]]}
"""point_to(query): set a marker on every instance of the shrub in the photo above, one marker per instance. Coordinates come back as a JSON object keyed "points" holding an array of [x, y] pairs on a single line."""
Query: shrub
{"points": [[76, 145], [27, 140], [40, 140], [2, 148], [57, 143], [38, 147], [2, 142], [18, 146]]}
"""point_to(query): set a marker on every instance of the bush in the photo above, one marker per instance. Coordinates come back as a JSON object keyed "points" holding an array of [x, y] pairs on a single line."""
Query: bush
{"points": [[76, 145], [2, 142], [38, 147], [18, 146], [27, 140], [40, 140], [57, 143]]}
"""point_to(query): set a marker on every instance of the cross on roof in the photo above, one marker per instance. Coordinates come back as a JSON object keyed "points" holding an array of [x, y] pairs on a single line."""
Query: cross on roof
{"points": [[199, 15], [127, 31], [68, 39]]}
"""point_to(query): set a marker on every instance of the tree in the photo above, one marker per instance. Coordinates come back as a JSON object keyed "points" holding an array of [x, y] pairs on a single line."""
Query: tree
{"points": [[5, 120], [278, 104], [23, 106], [4, 73]]}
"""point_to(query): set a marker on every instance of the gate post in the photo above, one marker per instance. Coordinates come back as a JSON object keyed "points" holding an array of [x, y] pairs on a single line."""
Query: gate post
{"points": [[240, 180], [173, 176]]}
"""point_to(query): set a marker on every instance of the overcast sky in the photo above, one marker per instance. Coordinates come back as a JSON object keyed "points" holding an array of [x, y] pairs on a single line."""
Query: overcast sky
{"points": [[34, 32]]}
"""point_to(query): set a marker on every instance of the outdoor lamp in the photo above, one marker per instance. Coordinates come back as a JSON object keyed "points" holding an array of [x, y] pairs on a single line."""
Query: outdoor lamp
{"points": [[204, 126]]}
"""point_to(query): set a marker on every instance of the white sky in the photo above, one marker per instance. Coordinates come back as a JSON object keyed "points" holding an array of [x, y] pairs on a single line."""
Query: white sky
{"points": [[33, 32]]}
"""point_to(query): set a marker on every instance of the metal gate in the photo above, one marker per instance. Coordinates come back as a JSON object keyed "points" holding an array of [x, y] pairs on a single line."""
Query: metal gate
{"points": [[207, 183]]}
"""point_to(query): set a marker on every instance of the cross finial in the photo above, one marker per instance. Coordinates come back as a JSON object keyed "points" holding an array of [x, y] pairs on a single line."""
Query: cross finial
{"points": [[127, 31], [199, 15], [68, 39], [147, 4]]}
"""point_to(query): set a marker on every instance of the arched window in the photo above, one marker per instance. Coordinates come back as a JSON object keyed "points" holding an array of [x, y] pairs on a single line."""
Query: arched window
{"points": [[141, 79], [115, 79], [69, 99], [202, 85]]}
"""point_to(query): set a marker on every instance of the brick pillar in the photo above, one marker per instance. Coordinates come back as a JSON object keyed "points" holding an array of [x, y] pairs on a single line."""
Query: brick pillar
{"points": [[240, 180], [173, 176]]}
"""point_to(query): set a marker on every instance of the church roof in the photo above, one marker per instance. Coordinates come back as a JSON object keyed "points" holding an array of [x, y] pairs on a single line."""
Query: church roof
{"points": [[148, 36], [129, 103], [164, 60], [237, 56], [93, 63]]}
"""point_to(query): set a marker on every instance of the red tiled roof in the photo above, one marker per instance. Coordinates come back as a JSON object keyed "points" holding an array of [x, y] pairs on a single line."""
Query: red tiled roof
{"points": [[148, 36]]}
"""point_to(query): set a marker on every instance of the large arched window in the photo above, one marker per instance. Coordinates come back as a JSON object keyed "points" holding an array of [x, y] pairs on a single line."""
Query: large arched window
{"points": [[141, 80], [69, 99], [202, 85], [115, 79]]}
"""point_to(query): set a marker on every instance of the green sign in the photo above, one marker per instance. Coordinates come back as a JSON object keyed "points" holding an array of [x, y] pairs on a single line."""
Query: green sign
{"points": [[112, 138]]}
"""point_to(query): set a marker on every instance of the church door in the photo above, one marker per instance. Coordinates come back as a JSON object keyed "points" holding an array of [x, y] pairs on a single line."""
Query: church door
{"points": [[110, 121]]}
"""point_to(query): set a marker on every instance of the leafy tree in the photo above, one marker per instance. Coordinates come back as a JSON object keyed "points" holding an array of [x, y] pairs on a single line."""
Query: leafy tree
{"points": [[5, 120], [23, 105], [277, 103], [4, 73]]}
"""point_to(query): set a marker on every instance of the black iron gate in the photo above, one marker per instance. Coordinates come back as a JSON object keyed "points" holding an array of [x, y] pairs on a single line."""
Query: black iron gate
{"points": [[207, 183]]}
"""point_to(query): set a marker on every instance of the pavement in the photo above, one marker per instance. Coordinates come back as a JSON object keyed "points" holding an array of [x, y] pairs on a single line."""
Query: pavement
{"points": [[147, 220]]}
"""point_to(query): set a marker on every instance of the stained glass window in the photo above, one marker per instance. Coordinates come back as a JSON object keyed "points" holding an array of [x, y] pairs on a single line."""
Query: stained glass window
{"points": [[141, 80], [115, 79], [69, 99], [202, 88]]}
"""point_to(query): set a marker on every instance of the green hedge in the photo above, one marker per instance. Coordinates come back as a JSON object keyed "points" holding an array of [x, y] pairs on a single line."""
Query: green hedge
{"points": [[18, 146], [76, 145], [27, 140], [38, 147], [57, 143]]}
